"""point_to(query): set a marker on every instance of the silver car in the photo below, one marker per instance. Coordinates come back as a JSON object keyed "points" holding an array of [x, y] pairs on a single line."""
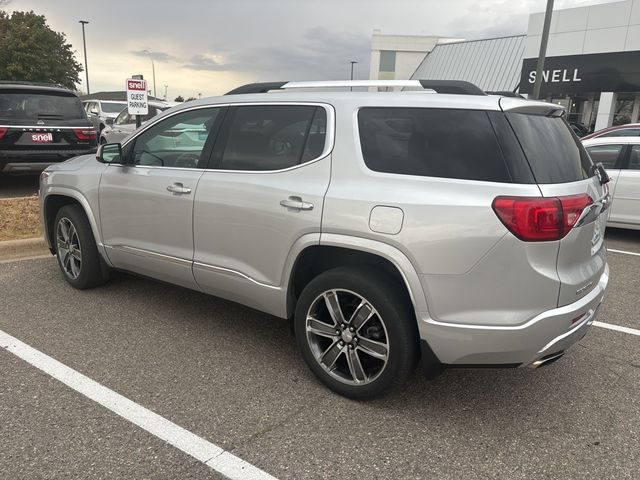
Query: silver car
{"points": [[621, 158], [124, 124], [443, 225]]}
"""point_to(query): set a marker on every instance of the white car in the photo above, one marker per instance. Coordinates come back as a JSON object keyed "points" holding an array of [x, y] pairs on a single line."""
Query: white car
{"points": [[124, 124], [99, 112], [621, 157]]}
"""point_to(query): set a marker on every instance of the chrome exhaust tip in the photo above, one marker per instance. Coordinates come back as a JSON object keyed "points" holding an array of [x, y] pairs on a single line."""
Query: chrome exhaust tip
{"points": [[547, 360]]}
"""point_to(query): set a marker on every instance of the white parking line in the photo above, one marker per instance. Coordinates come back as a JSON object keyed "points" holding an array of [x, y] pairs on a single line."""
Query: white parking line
{"points": [[623, 251], [617, 328], [206, 452]]}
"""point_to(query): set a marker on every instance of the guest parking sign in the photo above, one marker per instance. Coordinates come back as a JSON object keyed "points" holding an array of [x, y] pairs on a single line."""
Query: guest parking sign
{"points": [[137, 103]]}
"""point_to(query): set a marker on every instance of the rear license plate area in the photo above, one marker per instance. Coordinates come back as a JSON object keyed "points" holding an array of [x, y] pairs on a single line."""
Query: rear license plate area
{"points": [[42, 137]]}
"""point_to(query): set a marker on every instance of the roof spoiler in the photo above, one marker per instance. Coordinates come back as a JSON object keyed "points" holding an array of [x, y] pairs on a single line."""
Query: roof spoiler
{"points": [[456, 87]]}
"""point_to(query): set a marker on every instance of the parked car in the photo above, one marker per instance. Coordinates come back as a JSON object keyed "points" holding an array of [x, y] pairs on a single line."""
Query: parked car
{"points": [[621, 158], [100, 111], [628, 130], [361, 216], [124, 124], [580, 129], [41, 124]]}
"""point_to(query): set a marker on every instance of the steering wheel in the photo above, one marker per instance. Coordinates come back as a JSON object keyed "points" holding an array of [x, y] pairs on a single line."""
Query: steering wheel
{"points": [[187, 160]]}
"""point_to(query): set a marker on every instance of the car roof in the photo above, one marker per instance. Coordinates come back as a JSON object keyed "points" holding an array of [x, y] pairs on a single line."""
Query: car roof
{"points": [[36, 88], [611, 141], [406, 99]]}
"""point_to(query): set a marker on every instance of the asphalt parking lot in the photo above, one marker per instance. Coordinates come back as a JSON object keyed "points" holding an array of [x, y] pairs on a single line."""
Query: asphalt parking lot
{"points": [[234, 377]]}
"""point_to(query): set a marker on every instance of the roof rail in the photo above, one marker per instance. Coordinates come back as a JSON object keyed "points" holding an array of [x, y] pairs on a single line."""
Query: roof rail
{"points": [[439, 86]]}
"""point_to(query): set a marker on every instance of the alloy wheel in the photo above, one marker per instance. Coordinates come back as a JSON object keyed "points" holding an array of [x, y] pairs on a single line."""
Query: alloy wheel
{"points": [[347, 336], [69, 250]]}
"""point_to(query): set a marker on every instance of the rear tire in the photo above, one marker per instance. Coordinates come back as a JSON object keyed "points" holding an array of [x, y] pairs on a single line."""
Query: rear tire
{"points": [[357, 332], [76, 249]]}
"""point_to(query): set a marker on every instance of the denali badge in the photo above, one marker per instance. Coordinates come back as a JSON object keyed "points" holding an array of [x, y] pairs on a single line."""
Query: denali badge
{"points": [[582, 289]]}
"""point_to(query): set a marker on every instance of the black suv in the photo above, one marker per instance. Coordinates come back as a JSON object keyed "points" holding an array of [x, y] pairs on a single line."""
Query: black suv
{"points": [[40, 125]]}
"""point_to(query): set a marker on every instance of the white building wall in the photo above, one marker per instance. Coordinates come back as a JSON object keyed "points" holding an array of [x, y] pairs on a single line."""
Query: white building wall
{"points": [[410, 51], [607, 27]]}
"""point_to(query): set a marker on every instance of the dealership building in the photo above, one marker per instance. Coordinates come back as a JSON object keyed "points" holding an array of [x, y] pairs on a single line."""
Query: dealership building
{"points": [[592, 65]]}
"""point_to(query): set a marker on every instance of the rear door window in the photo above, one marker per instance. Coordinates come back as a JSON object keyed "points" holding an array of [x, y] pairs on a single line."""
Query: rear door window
{"points": [[552, 149], [608, 155], [634, 158], [40, 106], [431, 142], [273, 137]]}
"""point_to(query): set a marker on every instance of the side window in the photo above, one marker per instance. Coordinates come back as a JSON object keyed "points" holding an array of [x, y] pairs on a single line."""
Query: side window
{"points": [[431, 142], [177, 141], [623, 132], [607, 154], [123, 118], [634, 159], [273, 137]]}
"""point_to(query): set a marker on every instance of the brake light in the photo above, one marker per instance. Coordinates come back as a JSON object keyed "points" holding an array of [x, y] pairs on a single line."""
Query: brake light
{"points": [[540, 219], [85, 133], [3, 132]]}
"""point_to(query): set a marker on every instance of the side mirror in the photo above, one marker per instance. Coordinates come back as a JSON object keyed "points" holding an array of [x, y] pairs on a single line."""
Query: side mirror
{"points": [[109, 121], [602, 173], [110, 153], [94, 111]]}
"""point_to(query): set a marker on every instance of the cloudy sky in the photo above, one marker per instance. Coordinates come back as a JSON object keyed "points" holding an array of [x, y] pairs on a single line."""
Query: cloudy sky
{"points": [[211, 46]]}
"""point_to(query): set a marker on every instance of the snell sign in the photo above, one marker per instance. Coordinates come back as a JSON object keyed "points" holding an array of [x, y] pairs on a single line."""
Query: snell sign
{"points": [[578, 74]]}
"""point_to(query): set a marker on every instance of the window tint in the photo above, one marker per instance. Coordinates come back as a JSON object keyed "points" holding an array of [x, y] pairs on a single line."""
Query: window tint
{"points": [[40, 106], [177, 141], [109, 107], [554, 152], [273, 137], [607, 154], [634, 159], [431, 142], [623, 132]]}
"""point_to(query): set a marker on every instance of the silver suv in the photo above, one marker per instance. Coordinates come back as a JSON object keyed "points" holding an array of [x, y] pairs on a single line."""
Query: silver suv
{"points": [[442, 225]]}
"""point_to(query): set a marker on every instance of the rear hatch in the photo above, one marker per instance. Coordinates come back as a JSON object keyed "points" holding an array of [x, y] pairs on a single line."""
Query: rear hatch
{"points": [[566, 175], [47, 120]]}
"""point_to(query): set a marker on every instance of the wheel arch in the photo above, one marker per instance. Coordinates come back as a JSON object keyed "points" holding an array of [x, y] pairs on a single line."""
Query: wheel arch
{"points": [[58, 198], [340, 250]]}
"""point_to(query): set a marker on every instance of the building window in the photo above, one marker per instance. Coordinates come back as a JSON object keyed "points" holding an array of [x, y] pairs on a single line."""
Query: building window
{"points": [[387, 61]]}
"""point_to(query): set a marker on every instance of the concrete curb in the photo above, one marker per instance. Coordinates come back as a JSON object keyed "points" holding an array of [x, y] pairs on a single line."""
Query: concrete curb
{"points": [[28, 247]]}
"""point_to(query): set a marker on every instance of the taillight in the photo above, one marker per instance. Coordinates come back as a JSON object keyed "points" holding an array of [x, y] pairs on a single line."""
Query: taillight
{"points": [[85, 133], [540, 219], [3, 132]]}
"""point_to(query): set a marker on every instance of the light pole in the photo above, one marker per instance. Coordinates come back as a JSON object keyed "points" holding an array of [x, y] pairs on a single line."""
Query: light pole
{"points": [[543, 50], [165, 92], [84, 44], [153, 71], [352, 62]]}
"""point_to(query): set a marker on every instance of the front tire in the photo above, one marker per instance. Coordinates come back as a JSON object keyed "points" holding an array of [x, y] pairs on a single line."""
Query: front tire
{"points": [[76, 249], [357, 332]]}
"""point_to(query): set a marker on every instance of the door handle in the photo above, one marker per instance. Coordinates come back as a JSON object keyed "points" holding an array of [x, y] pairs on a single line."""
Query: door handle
{"points": [[296, 203], [179, 189]]}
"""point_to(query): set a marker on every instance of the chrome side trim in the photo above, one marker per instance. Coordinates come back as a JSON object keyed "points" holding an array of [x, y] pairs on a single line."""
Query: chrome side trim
{"points": [[235, 273], [149, 254], [46, 127], [328, 145]]}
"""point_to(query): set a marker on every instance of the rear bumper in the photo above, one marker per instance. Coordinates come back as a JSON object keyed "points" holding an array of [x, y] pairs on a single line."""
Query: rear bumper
{"points": [[540, 338], [25, 161]]}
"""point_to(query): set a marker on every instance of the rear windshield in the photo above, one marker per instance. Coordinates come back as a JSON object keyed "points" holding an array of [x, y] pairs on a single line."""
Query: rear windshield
{"points": [[40, 106], [432, 142], [112, 107], [554, 153]]}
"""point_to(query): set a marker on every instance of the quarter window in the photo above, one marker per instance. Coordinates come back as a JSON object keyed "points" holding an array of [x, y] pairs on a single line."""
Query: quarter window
{"points": [[605, 154], [273, 137], [177, 141], [431, 142]]}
